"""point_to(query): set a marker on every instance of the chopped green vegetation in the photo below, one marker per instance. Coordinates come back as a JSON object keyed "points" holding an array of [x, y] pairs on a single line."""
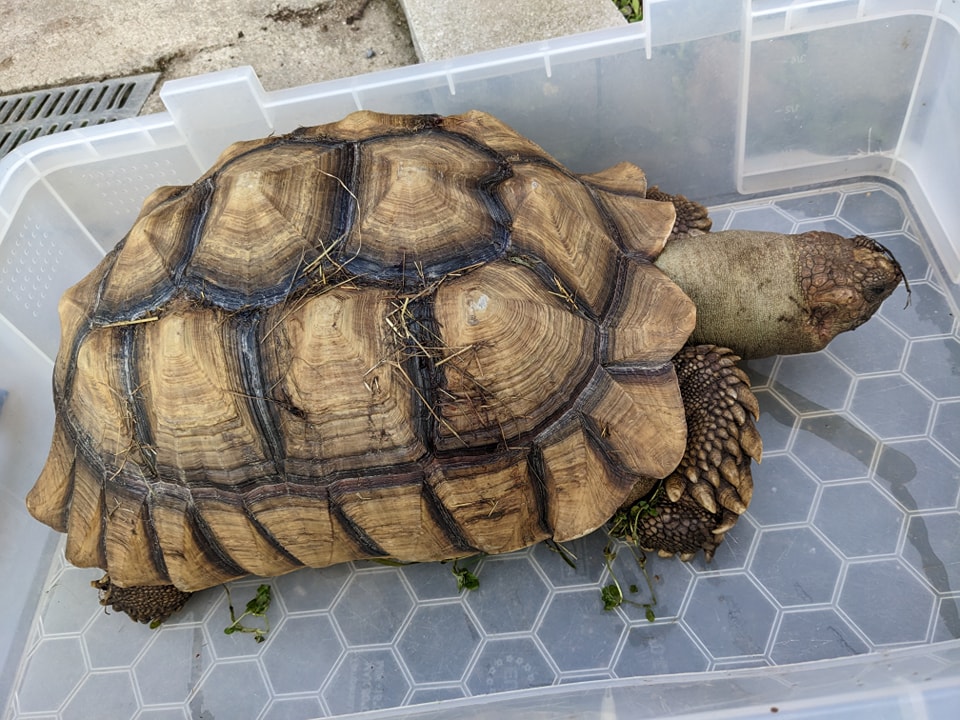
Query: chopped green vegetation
{"points": [[625, 524], [390, 562], [257, 607], [612, 594], [568, 557], [466, 580]]}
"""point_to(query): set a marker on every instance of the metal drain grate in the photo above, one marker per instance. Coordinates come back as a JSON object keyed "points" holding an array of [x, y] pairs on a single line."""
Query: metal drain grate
{"points": [[30, 115]]}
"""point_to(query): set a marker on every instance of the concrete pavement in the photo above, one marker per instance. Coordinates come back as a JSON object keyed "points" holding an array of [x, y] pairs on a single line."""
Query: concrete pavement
{"points": [[288, 43]]}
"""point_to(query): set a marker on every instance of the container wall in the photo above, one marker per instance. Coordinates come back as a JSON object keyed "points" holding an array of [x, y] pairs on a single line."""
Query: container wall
{"points": [[930, 148], [713, 99]]}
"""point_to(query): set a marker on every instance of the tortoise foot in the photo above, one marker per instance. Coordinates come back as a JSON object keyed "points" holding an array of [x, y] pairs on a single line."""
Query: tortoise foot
{"points": [[673, 528], [143, 603], [694, 507], [692, 217]]}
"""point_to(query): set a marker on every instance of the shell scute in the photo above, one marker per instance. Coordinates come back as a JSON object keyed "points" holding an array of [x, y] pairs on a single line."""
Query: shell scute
{"points": [[241, 537], [489, 396], [301, 519], [650, 320], [491, 132], [639, 417], [494, 502], [204, 432], [425, 208], [127, 523], [191, 556], [149, 261], [402, 500], [557, 220], [273, 214], [339, 394]]}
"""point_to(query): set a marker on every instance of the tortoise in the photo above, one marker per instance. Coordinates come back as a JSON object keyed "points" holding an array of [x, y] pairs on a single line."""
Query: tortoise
{"points": [[417, 338]]}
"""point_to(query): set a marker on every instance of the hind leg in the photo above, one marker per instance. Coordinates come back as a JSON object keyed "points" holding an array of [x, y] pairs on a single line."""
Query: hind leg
{"points": [[144, 603]]}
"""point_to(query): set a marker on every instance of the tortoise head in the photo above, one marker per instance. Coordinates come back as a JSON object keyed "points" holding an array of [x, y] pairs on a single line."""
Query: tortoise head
{"points": [[843, 281]]}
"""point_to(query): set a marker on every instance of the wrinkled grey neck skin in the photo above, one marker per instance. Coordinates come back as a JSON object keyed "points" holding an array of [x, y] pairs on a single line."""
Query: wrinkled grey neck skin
{"points": [[762, 293], [743, 285]]}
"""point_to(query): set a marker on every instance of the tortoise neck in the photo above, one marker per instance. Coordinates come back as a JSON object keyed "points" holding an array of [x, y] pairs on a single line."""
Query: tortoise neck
{"points": [[745, 287]]}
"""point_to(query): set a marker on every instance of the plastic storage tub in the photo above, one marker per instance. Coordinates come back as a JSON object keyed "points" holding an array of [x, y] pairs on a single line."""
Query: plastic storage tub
{"points": [[836, 595]]}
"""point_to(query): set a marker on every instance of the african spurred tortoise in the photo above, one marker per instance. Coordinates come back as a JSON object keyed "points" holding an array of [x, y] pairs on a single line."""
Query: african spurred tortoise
{"points": [[417, 338]]}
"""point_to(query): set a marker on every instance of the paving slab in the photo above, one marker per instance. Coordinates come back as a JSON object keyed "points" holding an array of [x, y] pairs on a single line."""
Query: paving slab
{"points": [[443, 29]]}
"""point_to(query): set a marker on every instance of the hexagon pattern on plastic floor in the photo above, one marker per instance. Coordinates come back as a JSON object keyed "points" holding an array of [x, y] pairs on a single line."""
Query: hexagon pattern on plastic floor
{"points": [[850, 545]]}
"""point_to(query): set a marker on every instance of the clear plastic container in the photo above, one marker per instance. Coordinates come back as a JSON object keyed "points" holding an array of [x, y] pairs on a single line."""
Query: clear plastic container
{"points": [[835, 596]]}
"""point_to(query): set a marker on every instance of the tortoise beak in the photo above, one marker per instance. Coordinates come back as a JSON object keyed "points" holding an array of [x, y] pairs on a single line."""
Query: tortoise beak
{"points": [[889, 271]]}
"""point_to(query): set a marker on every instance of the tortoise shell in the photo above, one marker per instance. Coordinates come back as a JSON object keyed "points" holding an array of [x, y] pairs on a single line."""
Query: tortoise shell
{"points": [[407, 337]]}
